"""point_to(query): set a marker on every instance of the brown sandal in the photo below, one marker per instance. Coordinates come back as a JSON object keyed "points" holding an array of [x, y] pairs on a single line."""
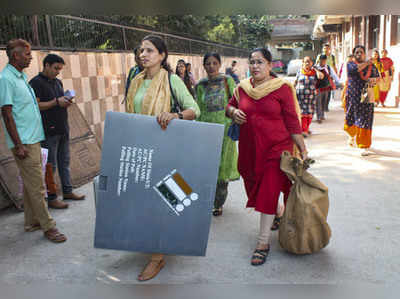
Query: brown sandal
{"points": [[151, 270], [32, 228], [55, 236]]}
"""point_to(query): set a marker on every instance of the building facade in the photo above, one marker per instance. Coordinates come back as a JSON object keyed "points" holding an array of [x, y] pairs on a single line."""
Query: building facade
{"points": [[343, 32]]}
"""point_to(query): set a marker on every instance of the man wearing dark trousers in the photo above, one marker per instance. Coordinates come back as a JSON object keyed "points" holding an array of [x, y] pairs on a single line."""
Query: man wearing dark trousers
{"points": [[53, 108], [324, 86], [24, 132], [331, 61]]}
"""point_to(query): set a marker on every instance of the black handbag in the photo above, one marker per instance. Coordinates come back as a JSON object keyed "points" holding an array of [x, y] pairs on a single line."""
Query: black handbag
{"points": [[234, 131]]}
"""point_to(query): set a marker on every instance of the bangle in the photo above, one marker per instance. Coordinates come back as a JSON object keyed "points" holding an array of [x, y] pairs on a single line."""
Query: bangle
{"points": [[233, 109]]}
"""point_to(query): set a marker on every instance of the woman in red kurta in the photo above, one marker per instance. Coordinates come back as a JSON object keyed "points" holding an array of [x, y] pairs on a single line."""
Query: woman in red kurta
{"points": [[267, 110], [387, 77]]}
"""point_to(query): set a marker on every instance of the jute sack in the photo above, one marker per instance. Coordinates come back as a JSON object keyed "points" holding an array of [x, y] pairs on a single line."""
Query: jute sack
{"points": [[303, 228]]}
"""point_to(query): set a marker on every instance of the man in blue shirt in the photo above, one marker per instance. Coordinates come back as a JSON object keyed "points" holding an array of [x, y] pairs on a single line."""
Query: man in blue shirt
{"points": [[24, 132], [231, 71]]}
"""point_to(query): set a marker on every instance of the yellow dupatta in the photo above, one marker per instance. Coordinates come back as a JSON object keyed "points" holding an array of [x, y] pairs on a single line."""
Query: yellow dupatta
{"points": [[157, 98], [265, 89]]}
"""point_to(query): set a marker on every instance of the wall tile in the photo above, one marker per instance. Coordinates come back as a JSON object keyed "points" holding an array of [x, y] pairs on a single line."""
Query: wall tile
{"points": [[75, 66], [103, 109], [96, 111], [107, 86], [67, 69], [86, 91], [99, 64], [106, 64], [77, 86], [92, 64], [83, 61], [101, 87], [68, 84], [94, 88]]}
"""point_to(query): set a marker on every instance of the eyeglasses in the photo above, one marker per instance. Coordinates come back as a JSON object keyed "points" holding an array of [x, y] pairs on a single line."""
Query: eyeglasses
{"points": [[256, 62]]}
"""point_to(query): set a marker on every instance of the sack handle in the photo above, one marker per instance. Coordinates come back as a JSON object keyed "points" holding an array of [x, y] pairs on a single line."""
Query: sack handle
{"points": [[293, 166]]}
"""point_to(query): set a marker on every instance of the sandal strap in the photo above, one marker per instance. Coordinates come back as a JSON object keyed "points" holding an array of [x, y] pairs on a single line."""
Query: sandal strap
{"points": [[259, 256], [263, 252], [54, 235]]}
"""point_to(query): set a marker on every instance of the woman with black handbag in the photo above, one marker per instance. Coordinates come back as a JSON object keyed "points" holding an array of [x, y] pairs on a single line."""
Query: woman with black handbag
{"points": [[213, 94], [156, 92], [269, 116]]}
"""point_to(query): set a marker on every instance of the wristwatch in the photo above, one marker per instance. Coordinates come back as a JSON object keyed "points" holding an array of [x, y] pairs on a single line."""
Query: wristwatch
{"points": [[180, 115]]}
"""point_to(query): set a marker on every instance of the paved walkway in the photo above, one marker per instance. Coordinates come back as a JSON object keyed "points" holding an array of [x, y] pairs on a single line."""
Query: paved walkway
{"points": [[364, 217]]}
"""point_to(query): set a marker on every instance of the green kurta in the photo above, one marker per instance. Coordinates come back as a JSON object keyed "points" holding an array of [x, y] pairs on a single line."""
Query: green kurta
{"points": [[212, 99]]}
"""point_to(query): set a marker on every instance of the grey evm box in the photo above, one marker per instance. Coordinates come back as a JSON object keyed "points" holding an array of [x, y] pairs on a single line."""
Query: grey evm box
{"points": [[156, 188]]}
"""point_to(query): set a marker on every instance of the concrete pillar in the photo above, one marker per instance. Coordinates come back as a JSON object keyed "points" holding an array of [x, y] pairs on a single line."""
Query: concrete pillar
{"points": [[382, 32], [362, 29], [388, 31]]}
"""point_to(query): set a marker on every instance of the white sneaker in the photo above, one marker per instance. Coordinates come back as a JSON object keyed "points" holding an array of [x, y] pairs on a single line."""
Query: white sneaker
{"points": [[366, 152], [351, 141]]}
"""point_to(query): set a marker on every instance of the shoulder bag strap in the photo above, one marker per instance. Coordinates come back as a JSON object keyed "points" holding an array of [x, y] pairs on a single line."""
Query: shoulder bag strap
{"points": [[176, 106], [227, 88]]}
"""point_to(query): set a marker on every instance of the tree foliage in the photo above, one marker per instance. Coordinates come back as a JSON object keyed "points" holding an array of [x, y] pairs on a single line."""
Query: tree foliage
{"points": [[224, 32], [254, 31], [244, 31]]}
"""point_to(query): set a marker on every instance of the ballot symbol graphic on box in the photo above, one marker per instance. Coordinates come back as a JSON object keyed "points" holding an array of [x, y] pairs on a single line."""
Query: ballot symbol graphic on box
{"points": [[175, 192]]}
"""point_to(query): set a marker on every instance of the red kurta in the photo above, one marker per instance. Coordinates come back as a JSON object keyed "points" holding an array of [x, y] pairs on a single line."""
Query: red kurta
{"points": [[267, 133]]}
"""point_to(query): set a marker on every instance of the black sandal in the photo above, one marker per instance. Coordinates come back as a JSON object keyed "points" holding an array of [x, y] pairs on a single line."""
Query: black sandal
{"points": [[260, 255], [217, 211], [276, 223]]}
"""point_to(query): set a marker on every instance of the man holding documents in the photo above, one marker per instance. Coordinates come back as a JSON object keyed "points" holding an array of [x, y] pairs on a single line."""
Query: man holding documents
{"points": [[53, 104]]}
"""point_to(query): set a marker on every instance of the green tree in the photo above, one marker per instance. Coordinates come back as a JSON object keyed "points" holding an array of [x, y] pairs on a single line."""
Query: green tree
{"points": [[224, 32], [253, 31]]}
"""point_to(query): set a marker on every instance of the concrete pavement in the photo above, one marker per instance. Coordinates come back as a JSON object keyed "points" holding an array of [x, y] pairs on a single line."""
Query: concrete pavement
{"points": [[364, 217]]}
